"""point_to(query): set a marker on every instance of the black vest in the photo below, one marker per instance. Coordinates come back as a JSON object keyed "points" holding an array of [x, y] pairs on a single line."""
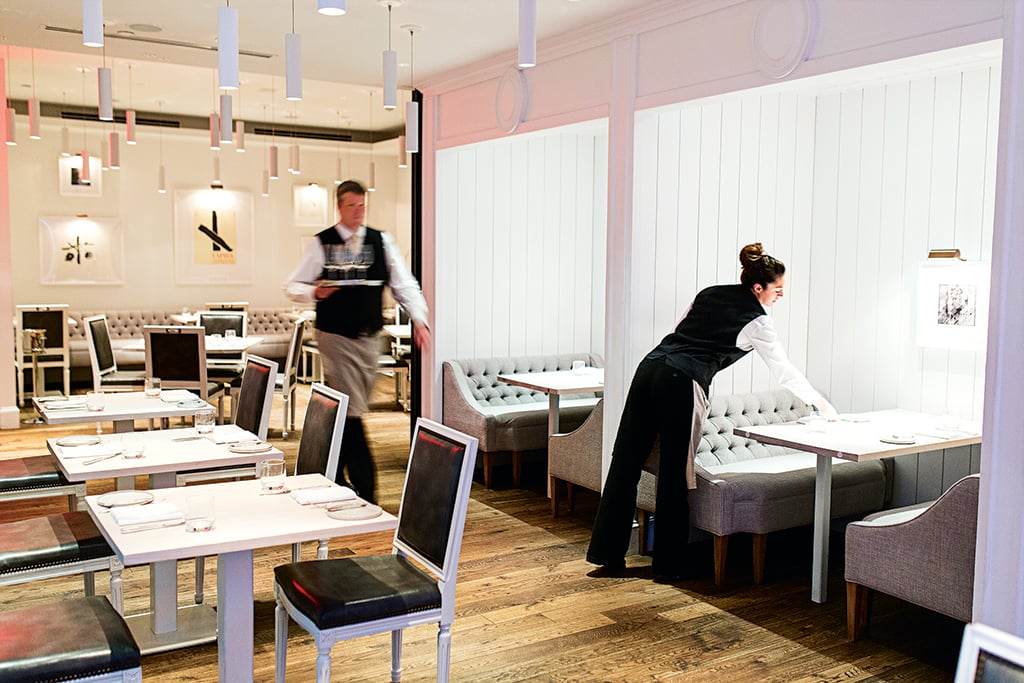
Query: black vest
{"points": [[353, 311], [704, 341]]}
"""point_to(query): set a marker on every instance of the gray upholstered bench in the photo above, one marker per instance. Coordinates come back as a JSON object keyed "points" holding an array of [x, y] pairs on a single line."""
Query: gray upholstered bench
{"points": [[81, 639], [505, 417]]}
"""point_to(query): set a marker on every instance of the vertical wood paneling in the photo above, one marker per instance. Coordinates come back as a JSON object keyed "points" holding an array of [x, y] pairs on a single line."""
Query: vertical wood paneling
{"points": [[518, 254], [645, 234], [504, 278], [465, 307], [665, 246], [483, 229], [537, 238], [799, 266], [599, 221]]}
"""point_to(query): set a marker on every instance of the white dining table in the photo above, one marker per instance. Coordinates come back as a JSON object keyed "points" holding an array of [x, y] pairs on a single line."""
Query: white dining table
{"points": [[215, 344], [122, 408], [166, 452], [556, 383], [857, 437], [245, 521]]}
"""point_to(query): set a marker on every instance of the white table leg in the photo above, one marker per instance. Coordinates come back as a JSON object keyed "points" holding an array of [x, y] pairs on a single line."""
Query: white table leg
{"points": [[234, 616], [163, 596], [822, 520], [122, 426]]}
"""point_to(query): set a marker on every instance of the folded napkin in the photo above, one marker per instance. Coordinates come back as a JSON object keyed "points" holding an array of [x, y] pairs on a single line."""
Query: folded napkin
{"points": [[146, 514], [327, 494], [63, 405], [96, 450], [177, 395], [231, 434]]}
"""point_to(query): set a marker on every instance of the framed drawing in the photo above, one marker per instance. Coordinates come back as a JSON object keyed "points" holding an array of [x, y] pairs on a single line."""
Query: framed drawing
{"points": [[213, 237], [952, 304], [71, 182], [80, 251], [309, 204]]}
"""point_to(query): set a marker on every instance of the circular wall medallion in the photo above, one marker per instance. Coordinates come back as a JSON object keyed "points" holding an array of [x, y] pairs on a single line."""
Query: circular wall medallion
{"points": [[784, 32], [511, 99]]}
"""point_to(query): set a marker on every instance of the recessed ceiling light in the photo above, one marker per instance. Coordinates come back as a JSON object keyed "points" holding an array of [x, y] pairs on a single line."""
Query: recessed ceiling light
{"points": [[145, 28]]}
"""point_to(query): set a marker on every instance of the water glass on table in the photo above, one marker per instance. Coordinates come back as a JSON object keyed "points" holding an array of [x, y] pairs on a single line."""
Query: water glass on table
{"points": [[132, 447], [205, 421], [95, 401], [271, 474], [199, 513], [152, 387]]}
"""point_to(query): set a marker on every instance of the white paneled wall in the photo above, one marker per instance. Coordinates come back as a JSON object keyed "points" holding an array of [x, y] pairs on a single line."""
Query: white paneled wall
{"points": [[850, 187], [521, 240]]}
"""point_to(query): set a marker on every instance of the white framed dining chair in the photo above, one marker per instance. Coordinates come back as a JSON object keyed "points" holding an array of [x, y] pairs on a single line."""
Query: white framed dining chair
{"points": [[362, 595], [105, 374], [53, 318], [177, 355], [989, 655], [288, 379]]}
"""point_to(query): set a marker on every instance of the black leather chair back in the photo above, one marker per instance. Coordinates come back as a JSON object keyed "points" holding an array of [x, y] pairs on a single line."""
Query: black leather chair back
{"points": [[101, 343], [256, 381], [317, 434]]}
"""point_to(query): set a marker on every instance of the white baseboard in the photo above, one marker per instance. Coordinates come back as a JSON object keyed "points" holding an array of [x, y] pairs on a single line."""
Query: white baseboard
{"points": [[10, 417]]}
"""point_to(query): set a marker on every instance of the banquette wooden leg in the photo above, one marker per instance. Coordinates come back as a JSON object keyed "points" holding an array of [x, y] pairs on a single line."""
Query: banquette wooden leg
{"points": [[553, 486], [760, 543], [857, 597], [488, 462], [721, 550]]}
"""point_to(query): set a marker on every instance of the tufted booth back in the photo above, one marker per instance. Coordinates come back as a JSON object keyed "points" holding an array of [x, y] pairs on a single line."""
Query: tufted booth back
{"points": [[718, 444], [122, 324], [480, 377]]}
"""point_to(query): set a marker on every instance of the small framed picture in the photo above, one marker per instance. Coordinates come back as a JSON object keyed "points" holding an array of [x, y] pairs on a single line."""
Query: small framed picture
{"points": [[952, 304], [72, 182], [310, 205]]}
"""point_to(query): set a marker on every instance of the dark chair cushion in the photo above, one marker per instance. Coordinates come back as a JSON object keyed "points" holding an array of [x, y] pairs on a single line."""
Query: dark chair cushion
{"points": [[34, 472], [351, 590], [124, 377], [253, 389], [317, 433], [51, 540], [65, 640]]}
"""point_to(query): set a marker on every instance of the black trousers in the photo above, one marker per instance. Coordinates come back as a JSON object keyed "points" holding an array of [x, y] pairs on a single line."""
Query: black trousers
{"points": [[659, 403], [355, 459]]}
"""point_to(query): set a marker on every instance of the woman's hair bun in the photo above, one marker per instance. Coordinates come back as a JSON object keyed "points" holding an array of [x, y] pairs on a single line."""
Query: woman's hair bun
{"points": [[751, 253]]}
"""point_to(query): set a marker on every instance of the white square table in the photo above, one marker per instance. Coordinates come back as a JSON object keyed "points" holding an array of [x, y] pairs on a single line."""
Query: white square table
{"points": [[123, 409], [558, 382], [167, 452], [215, 344], [245, 520], [857, 437]]}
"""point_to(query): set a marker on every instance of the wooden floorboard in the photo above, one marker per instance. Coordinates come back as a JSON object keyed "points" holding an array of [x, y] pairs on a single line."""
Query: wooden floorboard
{"points": [[527, 611]]}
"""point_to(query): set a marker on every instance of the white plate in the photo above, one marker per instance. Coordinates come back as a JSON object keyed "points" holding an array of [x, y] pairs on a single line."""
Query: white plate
{"points": [[249, 447], [356, 512], [193, 403], [898, 439], [78, 440], [121, 498]]}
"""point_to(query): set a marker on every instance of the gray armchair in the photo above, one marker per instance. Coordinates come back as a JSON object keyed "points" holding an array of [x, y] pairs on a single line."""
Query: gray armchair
{"points": [[923, 554]]}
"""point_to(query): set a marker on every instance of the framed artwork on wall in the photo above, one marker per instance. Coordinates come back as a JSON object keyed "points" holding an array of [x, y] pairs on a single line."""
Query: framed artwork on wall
{"points": [[310, 204], [71, 182], [952, 304], [80, 250], [213, 237]]}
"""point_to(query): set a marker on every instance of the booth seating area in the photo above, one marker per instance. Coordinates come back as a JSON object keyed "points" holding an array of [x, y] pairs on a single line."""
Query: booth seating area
{"points": [[506, 418], [742, 486], [274, 324]]}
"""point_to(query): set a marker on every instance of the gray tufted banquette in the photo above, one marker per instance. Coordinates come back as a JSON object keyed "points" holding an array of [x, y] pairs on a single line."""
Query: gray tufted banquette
{"points": [[505, 417]]}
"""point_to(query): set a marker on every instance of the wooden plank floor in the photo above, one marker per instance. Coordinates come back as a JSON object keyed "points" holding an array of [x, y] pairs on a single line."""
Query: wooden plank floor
{"points": [[527, 611]]}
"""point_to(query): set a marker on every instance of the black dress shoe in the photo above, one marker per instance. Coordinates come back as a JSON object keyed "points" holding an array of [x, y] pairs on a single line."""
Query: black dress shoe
{"points": [[612, 570]]}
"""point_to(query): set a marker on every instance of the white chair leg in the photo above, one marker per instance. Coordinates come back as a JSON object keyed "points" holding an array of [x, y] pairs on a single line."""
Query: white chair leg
{"points": [[396, 656], [89, 579], [444, 652], [321, 549], [116, 585], [323, 664], [67, 379], [291, 407], [280, 641], [284, 417], [296, 552], [200, 577]]}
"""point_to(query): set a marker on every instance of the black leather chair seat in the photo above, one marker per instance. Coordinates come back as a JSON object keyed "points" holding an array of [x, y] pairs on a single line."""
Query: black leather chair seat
{"points": [[71, 639], [123, 377], [34, 472], [52, 540], [355, 589]]}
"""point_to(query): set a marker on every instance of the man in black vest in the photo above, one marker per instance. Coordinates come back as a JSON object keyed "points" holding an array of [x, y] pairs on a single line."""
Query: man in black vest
{"points": [[344, 271]]}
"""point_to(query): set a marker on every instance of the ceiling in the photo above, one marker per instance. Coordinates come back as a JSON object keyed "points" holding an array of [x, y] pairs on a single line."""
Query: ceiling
{"points": [[341, 56]]}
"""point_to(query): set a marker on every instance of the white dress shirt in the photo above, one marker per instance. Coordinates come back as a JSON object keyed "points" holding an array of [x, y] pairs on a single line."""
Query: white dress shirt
{"points": [[301, 284], [760, 335]]}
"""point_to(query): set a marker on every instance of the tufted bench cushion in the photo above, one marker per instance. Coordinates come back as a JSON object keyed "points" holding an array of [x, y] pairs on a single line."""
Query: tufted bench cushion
{"points": [[505, 417], [65, 641]]}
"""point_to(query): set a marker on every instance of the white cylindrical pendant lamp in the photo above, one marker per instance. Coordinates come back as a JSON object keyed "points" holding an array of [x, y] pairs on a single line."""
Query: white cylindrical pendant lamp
{"points": [[33, 119], [161, 180], [371, 178], [227, 48], [293, 66], [239, 136], [272, 163], [11, 133], [226, 121], [527, 33], [403, 159], [83, 172], [390, 79], [129, 127], [106, 94], [216, 169], [114, 150], [65, 142], [266, 183], [92, 23], [332, 8], [295, 163], [214, 131], [412, 127]]}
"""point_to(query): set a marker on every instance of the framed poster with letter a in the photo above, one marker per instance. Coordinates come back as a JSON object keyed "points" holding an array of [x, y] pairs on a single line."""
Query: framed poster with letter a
{"points": [[213, 237]]}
